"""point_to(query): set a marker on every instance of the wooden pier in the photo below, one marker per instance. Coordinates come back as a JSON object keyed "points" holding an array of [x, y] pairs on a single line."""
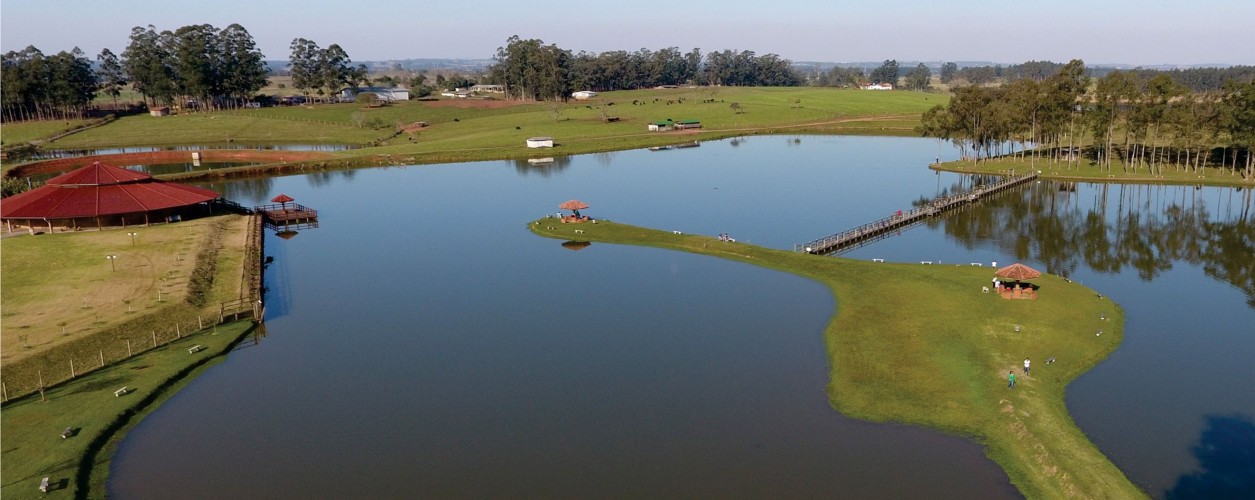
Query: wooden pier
{"points": [[288, 215], [892, 224]]}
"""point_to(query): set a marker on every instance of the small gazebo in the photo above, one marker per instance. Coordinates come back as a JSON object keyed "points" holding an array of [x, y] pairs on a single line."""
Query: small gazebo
{"points": [[104, 195], [1019, 273]]}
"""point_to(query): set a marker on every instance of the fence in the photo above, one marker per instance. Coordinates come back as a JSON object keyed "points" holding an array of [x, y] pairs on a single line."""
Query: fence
{"points": [[23, 380]]}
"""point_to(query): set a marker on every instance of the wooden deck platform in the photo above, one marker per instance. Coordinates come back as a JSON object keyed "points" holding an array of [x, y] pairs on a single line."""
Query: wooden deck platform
{"points": [[892, 224], [286, 214]]}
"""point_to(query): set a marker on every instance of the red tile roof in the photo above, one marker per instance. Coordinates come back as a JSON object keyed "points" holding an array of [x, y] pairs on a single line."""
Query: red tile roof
{"points": [[99, 189]]}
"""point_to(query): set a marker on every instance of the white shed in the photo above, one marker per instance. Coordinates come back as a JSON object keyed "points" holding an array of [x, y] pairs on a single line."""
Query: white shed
{"points": [[540, 142], [584, 94]]}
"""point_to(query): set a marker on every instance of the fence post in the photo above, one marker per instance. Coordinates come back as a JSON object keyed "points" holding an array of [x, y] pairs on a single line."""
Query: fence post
{"points": [[177, 334], [5, 390], [154, 338], [102, 358], [199, 324], [72, 374], [128, 348]]}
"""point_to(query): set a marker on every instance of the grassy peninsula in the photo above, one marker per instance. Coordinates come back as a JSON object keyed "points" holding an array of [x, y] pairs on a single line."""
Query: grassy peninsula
{"points": [[923, 345]]}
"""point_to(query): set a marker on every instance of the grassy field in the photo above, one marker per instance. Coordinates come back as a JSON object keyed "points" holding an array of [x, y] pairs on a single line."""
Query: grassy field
{"points": [[922, 345], [20, 132], [474, 129], [1084, 171], [34, 448], [63, 300]]}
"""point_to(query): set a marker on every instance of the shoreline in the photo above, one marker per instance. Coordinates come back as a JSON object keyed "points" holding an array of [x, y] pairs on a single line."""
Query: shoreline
{"points": [[942, 364]]}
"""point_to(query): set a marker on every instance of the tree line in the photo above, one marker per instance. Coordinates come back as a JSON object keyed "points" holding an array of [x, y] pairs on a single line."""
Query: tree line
{"points": [[198, 65], [38, 87], [531, 69], [1150, 123]]}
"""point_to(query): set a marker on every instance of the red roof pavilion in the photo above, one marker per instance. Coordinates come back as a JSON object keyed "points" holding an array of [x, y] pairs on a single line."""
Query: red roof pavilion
{"points": [[100, 190]]}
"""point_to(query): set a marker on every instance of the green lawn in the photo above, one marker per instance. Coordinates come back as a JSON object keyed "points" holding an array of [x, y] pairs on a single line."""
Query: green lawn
{"points": [[19, 132], [577, 126], [923, 345], [33, 446]]}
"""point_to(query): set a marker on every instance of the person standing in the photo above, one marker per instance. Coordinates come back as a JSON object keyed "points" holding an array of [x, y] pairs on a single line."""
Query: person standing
{"points": [[1026, 366], [1011, 379]]}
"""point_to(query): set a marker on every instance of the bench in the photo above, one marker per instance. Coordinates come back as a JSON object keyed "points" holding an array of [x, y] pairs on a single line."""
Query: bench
{"points": [[120, 392], [194, 349], [69, 431], [43, 485]]}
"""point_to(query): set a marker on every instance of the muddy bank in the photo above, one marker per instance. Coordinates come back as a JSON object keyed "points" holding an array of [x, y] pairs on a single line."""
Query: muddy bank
{"points": [[159, 157]]}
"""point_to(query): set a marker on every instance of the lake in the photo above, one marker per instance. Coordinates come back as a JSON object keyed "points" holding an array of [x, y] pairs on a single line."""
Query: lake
{"points": [[421, 342]]}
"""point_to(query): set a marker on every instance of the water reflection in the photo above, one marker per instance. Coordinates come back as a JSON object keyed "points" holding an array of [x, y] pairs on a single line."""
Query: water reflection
{"points": [[545, 167], [1226, 458], [1151, 229]]}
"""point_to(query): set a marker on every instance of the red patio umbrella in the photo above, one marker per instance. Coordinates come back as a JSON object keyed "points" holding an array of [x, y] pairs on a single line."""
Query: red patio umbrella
{"points": [[283, 200]]}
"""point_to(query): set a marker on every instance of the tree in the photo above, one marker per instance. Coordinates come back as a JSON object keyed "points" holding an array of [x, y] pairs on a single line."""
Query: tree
{"points": [[147, 60], [303, 65], [918, 78], [948, 72], [110, 75], [243, 66], [886, 73]]}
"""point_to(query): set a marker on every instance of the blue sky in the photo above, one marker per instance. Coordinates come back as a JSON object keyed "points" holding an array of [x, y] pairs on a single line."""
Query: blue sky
{"points": [[1143, 32]]}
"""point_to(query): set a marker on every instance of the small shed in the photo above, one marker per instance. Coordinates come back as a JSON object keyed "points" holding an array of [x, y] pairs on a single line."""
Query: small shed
{"points": [[661, 126], [583, 94], [540, 142], [159, 111], [687, 124]]}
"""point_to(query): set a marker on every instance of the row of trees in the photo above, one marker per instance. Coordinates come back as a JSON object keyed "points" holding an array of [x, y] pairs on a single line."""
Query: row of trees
{"points": [[1147, 123], [533, 70], [322, 71], [40, 87], [917, 78], [198, 65]]}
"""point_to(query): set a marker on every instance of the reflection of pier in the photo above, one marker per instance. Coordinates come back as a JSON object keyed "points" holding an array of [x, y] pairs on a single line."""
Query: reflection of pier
{"points": [[890, 225], [282, 216]]}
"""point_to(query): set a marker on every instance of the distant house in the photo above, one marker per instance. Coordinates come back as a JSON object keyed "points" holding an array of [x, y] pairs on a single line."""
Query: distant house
{"points": [[583, 94], [661, 126], [878, 86], [382, 93], [687, 124], [494, 89], [540, 142], [159, 111]]}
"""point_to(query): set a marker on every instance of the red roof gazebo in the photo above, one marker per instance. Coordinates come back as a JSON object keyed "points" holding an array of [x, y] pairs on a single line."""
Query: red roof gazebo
{"points": [[100, 194]]}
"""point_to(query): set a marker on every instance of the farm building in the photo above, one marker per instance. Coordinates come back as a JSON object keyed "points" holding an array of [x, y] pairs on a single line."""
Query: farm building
{"points": [[878, 86], [661, 126], [493, 89], [540, 142], [687, 124], [381, 93], [583, 94], [159, 111]]}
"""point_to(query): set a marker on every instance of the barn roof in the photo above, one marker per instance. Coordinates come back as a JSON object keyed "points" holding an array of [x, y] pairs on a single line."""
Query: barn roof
{"points": [[99, 189]]}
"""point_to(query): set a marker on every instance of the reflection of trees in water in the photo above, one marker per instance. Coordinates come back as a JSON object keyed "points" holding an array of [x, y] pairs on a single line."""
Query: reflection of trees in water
{"points": [[1151, 227], [545, 169], [1226, 457], [326, 177], [246, 192]]}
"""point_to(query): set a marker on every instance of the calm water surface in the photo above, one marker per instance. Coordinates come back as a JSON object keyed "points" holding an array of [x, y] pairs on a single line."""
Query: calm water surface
{"points": [[421, 342]]}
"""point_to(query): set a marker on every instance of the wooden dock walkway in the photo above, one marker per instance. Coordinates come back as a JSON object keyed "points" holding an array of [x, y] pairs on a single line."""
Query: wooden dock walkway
{"points": [[889, 225]]}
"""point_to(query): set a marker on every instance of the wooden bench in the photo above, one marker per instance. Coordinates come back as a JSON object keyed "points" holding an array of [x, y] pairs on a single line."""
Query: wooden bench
{"points": [[43, 485], [194, 349], [69, 431], [120, 392]]}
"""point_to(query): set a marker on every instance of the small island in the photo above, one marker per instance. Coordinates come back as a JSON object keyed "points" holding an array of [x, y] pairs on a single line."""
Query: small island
{"points": [[928, 345]]}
